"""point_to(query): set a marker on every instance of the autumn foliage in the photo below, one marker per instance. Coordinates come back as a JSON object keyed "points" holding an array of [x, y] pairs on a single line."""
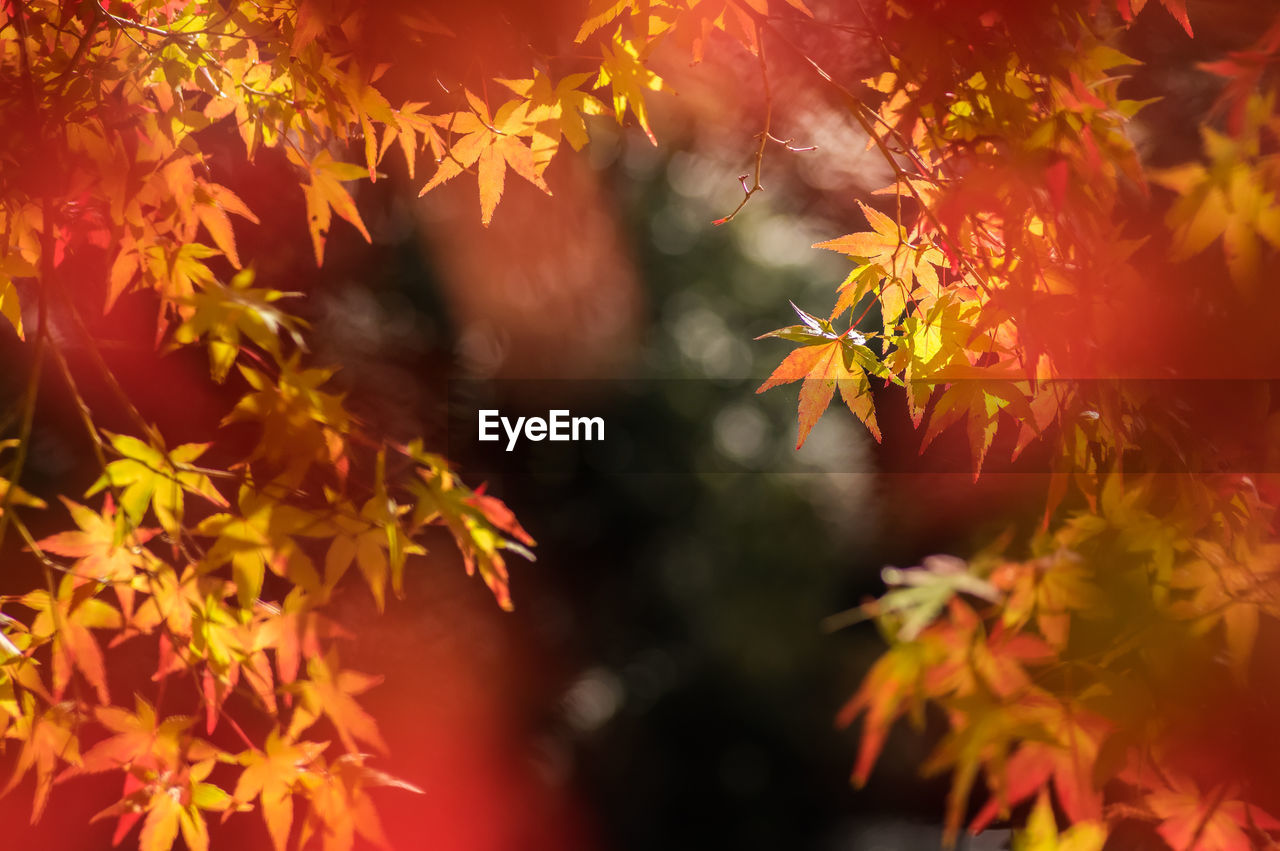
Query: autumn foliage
{"points": [[1039, 285], [1028, 278], [219, 555]]}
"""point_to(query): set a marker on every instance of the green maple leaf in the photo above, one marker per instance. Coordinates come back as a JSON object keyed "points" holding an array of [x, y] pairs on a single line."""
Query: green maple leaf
{"points": [[224, 314], [148, 476]]}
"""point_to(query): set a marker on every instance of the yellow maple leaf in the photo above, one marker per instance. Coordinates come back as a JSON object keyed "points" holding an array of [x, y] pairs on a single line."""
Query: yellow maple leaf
{"points": [[325, 195], [623, 69], [491, 143]]}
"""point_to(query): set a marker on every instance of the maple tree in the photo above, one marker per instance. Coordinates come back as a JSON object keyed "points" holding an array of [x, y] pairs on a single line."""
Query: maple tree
{"points": [[1025, 240]]}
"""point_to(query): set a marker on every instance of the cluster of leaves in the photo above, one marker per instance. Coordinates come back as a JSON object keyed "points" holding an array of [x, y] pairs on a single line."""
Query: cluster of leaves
{"points": [[1013, 284], [119, 121], [219, 557], [1015, 262], [117, 117]]}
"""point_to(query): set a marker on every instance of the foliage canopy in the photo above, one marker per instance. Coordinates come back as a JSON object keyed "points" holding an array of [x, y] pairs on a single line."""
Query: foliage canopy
{"points": [[1028, 275]]}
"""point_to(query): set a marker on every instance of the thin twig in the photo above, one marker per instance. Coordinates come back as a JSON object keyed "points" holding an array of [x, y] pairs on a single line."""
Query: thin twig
{"points": [[91, 345], [765, 135]]}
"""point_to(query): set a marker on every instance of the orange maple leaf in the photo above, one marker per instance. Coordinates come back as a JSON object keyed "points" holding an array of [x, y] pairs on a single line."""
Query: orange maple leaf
{"points": [[822, 368]]}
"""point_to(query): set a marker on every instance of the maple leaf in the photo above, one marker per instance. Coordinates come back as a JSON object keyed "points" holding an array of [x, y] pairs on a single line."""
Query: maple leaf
{"points": [[272, 775], [826, 362], [406, 124], [13, 266], [1243, 71], [995, 665], [65, 620], [1066, 757], [477, 525], [555, 112], [139, 738], [10, 708], [102, 551], [945, 341], [1229, 587], [331, 692], [601, 12], [1195, 821], [20, 496], [1227, 200], [173, 600], [146, 475], [258, 539], [1041, 832], [1052, 588], [369, 105], [864, 279], [222, 314], [929, 667], [301, 423], [295, 631], [176, 272], [624, 71], [221, 640], [212, 204], [374, 540], [1177, 8], [893, 687], [312, 19], [203, 636], [978, 400], [893, 254], [162, 823], [219, 644], [170, 804], [921, 593], [695, 22], [48, 737], [9, 307], [1123, 507], [341, 808], [496, 512], [325, 194], [491, 144], [982, 733]]}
